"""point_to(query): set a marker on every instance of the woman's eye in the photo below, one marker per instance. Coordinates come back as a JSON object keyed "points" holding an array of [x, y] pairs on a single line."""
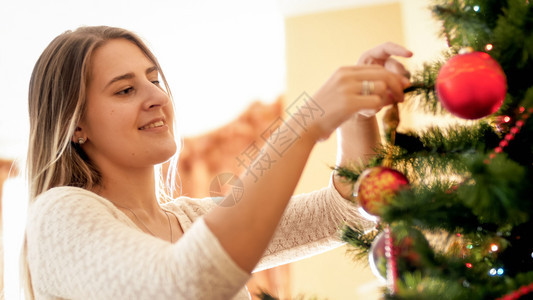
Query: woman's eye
{"points": [[156, 82], [125, 91]]}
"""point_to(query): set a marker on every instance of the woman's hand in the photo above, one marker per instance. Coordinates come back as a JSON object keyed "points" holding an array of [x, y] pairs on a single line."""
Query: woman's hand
{"points": [[382, 55], [355, 89]]}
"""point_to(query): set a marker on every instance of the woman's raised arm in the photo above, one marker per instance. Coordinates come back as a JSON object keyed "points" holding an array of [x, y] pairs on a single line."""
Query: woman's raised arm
{"points": [[246, 228]]}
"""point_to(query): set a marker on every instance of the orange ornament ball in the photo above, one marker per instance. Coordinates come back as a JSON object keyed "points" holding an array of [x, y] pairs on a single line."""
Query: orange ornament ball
{"points": [[376, 187]]}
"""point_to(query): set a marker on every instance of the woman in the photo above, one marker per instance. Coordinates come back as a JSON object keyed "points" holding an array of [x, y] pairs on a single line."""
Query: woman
{"points": [[101, 121]]}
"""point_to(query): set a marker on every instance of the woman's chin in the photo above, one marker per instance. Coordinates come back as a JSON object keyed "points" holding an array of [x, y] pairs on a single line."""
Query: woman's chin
{"points": [[166, 154]]}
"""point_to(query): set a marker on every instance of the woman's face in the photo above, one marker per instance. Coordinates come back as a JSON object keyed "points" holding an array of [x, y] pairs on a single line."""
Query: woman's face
{"points": [[128, 118]]}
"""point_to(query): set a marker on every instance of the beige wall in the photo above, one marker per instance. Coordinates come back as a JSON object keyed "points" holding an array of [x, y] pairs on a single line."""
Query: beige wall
{"points": [[317, 44]]}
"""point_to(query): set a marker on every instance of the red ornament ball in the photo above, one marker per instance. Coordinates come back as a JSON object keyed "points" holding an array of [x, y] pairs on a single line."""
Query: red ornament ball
{"points": [[376, 187], [471, 85]]}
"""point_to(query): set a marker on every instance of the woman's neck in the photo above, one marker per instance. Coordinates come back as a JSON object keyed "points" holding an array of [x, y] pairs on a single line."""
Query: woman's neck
{"points": [[132, 190]]}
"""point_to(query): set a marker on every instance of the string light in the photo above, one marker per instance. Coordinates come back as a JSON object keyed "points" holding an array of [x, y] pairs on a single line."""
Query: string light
{"points": [[469, 246], [469, 265], [494, 272], [466, 284], [506, 119], [494, 247], [488, 47], [476, 8]]}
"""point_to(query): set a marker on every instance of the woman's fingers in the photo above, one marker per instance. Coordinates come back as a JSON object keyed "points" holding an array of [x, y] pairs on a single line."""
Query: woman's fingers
{"points": [[396, 67], [382, 80], [389, 49], [396, 83], [371, 87], [368, 105], [380, 53]]}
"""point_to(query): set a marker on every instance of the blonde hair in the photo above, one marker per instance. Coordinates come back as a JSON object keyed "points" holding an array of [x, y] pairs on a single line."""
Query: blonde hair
{"points": [[56, 101]]}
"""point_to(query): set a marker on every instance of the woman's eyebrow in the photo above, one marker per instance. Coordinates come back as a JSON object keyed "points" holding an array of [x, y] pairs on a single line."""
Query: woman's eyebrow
{"points": [[129, 76], [151, 69], [120, 77]]}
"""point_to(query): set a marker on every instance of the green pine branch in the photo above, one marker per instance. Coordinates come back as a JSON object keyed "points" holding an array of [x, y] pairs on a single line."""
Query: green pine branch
{"points": [[432, 208], [513, 47], [421, 94], [360, 241], [465, 22], [496, 190], [437, 151]]}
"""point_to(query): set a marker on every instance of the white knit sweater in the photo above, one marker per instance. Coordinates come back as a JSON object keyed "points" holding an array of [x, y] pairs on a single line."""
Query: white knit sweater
{"points": [[80, 246]]}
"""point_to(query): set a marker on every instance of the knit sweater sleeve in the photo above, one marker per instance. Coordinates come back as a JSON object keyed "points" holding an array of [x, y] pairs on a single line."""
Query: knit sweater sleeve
{"points": [[311, 225], [79, 249]]}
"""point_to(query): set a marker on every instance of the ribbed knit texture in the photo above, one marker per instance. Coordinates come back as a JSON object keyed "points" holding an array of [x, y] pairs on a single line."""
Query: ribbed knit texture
{"points": [[80, 246]]}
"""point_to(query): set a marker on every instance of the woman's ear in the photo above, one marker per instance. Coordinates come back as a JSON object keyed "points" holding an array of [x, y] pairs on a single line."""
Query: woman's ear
{"points": [[79, 137]]}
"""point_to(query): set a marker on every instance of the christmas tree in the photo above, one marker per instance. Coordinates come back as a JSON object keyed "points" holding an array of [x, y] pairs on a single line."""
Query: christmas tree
{"points": [[455, 205]]}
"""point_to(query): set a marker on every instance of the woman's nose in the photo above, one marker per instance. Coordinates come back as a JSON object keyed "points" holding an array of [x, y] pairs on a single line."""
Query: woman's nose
{"points": [[155, 96]]}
